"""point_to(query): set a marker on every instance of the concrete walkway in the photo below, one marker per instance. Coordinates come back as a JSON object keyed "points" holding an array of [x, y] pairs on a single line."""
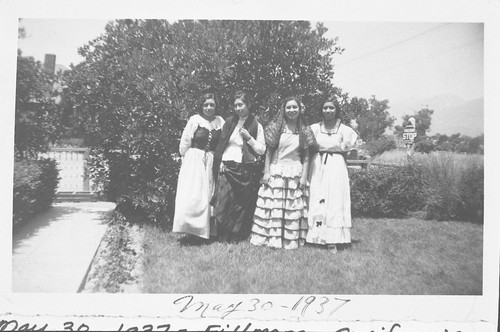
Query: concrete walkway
{"points": [[53, 251]]}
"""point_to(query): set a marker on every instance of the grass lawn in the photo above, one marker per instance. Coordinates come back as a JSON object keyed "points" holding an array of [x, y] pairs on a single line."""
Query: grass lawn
{"points": [[388, 256]]}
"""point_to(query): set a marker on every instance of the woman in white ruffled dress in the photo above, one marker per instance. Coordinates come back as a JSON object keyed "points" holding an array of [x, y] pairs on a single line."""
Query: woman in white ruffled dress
{"points": [[280, 215], [195, 185], [329, 216]]}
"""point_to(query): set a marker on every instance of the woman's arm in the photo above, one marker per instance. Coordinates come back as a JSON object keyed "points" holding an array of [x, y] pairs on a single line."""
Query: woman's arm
{"points": [[187, 136], [349, 138], [305, 169], [267, 166], [259, 144]]}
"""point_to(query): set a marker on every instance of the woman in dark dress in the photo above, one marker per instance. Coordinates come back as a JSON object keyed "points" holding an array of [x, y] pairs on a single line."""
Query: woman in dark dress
{"points": [[235, 168]]}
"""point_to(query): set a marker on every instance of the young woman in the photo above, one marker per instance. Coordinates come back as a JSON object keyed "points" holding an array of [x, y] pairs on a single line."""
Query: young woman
{"points": [[329, 192], [241, 141], [280, 215], [195, 184]]}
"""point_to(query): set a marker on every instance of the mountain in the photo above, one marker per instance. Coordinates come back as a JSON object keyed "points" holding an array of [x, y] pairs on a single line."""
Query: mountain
{"points": [[452, 114], [466, 119]]}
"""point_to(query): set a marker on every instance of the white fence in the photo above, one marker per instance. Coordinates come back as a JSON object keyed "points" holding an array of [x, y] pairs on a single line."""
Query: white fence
{"points": [[73, 171]]}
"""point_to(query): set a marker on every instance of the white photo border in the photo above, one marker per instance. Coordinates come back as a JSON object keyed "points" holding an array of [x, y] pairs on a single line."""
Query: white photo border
{"points": [[362, 313]]}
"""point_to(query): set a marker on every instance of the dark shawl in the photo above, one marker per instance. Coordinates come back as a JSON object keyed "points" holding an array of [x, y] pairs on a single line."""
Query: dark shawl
{"points": [[249, 154], [274, 130]]}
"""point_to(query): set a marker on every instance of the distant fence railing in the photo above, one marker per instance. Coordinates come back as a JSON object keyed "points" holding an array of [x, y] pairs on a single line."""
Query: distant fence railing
{"points": [[367, 163], [359, 163], [72, 166]]}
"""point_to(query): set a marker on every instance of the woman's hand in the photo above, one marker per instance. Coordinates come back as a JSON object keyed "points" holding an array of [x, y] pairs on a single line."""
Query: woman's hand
{"points": [[303, 181], [343, 144], [265, 179], [245, 134], [343, 147]]}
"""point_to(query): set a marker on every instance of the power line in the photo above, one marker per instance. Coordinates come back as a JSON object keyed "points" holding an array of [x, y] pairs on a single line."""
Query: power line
{"points": [[420, 59], [395, 44]]}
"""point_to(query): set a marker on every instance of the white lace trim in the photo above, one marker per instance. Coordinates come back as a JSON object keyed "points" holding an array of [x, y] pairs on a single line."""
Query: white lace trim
{"points": [[215, 124]]}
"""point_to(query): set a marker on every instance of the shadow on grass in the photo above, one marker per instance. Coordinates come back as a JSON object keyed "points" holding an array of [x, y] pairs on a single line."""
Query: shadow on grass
{"points": [[193, 241], [339, 246]]}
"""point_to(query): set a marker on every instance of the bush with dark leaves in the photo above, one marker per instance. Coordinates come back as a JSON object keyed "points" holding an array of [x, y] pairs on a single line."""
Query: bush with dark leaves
{"points": [[35, 184]]}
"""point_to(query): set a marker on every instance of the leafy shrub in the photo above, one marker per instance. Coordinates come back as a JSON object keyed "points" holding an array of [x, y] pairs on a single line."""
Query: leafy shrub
{"points": [[453, 186], [99, 172], [425, 144], [390, 191], [118, 255], [444, 186], [144, 186], [35, 184], [142, 78], [472, 194]]}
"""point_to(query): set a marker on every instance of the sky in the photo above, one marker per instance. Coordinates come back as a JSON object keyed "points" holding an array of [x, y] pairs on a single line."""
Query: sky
{"points": [[389, 60], [61, 37], [403, 60]]}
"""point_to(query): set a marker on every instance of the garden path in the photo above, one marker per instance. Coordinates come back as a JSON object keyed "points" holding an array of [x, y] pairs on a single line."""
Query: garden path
{"points": [[53, 251]]}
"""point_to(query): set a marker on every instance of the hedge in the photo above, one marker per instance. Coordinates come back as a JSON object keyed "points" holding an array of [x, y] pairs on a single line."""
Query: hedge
{"points": [[35, 184], [386, 191], [454, 186], [442, 186], [437, 186]]}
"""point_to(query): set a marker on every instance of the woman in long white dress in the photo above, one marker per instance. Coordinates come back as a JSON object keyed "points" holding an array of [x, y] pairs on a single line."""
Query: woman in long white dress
{"points": [[195, 185], [329, 217]]}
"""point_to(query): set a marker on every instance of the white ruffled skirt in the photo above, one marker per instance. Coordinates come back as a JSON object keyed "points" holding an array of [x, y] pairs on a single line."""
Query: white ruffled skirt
{"points": [[280, 219]]}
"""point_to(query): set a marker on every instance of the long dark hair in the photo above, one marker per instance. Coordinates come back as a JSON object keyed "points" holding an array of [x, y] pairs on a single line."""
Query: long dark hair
{"points": [[275, 128]]}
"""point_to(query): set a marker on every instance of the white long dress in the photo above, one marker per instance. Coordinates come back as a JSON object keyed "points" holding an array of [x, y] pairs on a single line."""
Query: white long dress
{"points": [[195, 185], [329, 217]]}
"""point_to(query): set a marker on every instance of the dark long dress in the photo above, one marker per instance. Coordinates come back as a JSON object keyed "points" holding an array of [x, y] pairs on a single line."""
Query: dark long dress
{"points": [[236, 196], [237, 186]]}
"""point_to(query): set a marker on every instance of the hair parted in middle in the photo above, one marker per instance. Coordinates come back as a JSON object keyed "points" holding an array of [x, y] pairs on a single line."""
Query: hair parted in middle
{"points": [[245, 97], [335, 102], [204, 97], [275, 128]]}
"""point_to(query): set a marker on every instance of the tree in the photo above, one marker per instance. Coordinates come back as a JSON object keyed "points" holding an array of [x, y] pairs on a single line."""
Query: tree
{"points": [[141, 79], [372, 117], [425, 144], [35, 108], [476, 145], [423, 119]]}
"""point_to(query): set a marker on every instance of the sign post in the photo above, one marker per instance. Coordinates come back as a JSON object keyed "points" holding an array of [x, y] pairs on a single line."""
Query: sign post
{"points": [[409, 134]]}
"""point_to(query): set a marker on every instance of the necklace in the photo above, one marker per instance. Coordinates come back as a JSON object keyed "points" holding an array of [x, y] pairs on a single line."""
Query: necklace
{"points": [[329, 132], [287, 127]]}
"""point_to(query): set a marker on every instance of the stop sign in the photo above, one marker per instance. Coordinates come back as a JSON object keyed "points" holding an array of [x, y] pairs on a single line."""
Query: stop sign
{"points": [[409, 134]]}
